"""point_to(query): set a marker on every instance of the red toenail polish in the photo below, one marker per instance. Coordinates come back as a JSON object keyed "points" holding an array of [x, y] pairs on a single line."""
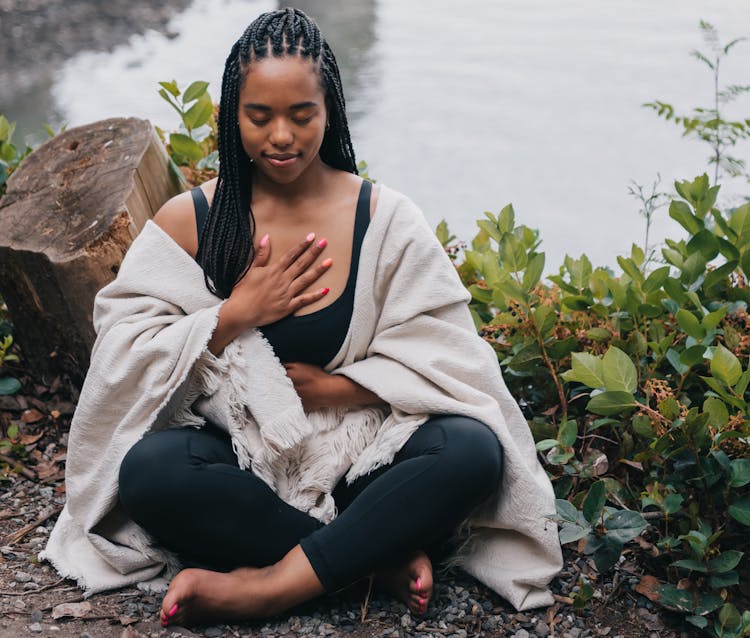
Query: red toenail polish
{"points": [[172, 611]]}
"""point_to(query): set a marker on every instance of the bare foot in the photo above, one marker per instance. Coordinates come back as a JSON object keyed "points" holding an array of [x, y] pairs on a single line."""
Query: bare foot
{"points": [[199, 595], [410, 582]]}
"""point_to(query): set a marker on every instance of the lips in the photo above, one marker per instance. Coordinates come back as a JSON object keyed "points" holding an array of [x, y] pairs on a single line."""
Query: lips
{"points": [[279, 160]]}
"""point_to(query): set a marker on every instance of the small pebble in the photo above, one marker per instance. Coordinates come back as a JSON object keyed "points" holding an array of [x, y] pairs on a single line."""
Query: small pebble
{"points": [[22, 577], [36, 616], [521, 633], [35, 627], [213, 632]]}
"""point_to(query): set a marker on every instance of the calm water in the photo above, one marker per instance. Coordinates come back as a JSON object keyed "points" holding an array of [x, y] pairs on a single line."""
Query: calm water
{"points": [[468, 106]]}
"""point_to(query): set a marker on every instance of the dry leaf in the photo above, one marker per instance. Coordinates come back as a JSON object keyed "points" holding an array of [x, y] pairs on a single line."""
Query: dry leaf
{"points": [[127, 620], [28, 439], [55, 414], [129, 632], [635, 464], [74, 610], [31, 416], [649, 587]]}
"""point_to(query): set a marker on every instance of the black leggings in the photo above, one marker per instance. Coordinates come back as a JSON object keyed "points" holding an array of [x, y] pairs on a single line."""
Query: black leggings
{"points": [[184, 487]]}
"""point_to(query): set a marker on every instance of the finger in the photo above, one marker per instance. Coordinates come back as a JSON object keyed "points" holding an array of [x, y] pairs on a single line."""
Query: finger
{"points": [[263, 252], [291, 255], [306, 279], [308, 298], [308, 257]]}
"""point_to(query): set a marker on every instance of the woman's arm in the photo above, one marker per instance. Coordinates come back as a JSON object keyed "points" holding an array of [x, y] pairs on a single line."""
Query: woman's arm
{"points": [[318, 389]]}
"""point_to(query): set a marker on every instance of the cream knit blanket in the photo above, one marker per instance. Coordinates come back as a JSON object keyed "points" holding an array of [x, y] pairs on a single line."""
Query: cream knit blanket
{"points": [[411, 341]]}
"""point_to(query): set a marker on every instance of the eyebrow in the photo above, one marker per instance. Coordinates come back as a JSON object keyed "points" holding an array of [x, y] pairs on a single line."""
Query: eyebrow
{"points": [[293, 107]]}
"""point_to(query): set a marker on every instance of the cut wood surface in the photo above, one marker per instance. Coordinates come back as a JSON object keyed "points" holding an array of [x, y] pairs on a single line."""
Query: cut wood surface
{"points": [[70, 213]]}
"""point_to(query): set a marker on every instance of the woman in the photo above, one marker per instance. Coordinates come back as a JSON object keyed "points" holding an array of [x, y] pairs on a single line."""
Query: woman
{"points": [[387, 426]]}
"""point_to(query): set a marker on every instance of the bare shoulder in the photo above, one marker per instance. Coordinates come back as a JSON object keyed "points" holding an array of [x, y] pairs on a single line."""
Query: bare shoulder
{"points": [[177, 218]]}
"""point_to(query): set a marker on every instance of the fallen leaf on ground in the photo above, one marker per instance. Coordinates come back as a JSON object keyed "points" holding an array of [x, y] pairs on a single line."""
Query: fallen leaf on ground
{"points": [[28, 439], [74, 610], [127, 620], [649, 587], [32, 416]]}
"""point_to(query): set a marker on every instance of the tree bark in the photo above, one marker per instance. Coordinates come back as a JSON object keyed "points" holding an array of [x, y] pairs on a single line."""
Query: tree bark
{"points": [[70, 213]]}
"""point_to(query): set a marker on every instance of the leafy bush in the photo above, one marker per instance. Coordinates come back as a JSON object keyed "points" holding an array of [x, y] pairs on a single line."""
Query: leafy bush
{"points": [[194, 146], [636, 388]]}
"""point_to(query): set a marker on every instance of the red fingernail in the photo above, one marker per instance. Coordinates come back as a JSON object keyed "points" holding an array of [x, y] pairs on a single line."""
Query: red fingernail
{"points": [[422, 601], [325, 291], [264, 241], [326, 262], [419, 584], [310, 237], [323, 243], [172, 611]]}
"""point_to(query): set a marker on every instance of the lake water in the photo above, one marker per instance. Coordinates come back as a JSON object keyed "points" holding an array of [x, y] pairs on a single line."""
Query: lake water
{"points": [[468, 106]]}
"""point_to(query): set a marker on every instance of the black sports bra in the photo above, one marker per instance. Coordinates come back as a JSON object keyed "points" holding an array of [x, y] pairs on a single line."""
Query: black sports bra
{"points": [[318, 336]]}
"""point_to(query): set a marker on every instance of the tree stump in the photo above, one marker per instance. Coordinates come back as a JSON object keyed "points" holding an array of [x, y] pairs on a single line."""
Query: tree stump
{"points": [[70, 213]]}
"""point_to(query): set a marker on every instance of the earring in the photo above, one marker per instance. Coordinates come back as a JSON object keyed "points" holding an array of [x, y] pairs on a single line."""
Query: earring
{"points": [[328, 125]]}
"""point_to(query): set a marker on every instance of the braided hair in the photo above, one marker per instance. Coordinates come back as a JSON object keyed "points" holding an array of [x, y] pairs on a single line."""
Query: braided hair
{"points": [[225, 246]]}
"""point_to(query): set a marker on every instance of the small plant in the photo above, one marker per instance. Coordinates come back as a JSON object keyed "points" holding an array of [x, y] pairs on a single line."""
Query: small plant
{"points": [[194, 146], [708, 123]]}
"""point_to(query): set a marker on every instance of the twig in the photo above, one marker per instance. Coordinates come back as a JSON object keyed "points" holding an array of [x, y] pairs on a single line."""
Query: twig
{"points": [[366, 602], [17, 464], [31, 591], [18, 535]]}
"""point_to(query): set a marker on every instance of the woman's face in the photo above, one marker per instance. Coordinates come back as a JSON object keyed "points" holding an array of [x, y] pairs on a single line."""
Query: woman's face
{"points": [[282, 116]]}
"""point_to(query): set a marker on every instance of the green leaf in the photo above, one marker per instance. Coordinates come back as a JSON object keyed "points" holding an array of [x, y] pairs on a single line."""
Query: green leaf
{"points": [[728, 579], [740, 511], [673, 356], [171, 87], [9, 385], [740, 472], [594, 502], [561, 348], [740, 224], [198, 114], [546, 444], [725, 366], [490, 228], [642, 425], [656, 279], [566, 510], [512, 253], [598, 334], [580, 271], [4, 129], [612, 402], [698, 621], [706, 243], [692, 268], [690, 324], [724, 562], [720, 274], [619, 371], [712, 319], [526, 358], [568, 433], [606, 550], [570, 532], [717, 411], [534, 270], [669, 408], [729, 617], [586, 369], [194, 91], [544, 319], [692, 564], [443, 233], [681, 213], [625, 525], [630, 268], [185, 146], [676, 599], [506, 219]]}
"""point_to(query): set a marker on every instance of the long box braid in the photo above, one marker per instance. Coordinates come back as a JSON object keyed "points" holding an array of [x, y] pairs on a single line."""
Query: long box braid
{"points": [[226, 242]]}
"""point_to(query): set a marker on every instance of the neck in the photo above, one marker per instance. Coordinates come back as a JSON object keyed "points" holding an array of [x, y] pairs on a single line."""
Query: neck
{"points": [[309, 184]]}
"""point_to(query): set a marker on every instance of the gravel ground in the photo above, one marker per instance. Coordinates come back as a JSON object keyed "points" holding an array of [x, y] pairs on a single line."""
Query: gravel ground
{"points": [[32, 492], [30, 595]]}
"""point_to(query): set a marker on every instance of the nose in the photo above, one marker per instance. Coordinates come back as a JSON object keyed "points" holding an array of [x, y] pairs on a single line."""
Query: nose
{"points": [[281, 134]]}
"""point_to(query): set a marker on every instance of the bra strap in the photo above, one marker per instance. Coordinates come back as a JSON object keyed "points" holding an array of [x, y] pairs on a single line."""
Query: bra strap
{"points": [[200, 203]]}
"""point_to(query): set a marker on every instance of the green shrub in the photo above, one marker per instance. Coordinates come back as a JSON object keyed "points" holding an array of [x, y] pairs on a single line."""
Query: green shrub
{"points": [[636, 389]]}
